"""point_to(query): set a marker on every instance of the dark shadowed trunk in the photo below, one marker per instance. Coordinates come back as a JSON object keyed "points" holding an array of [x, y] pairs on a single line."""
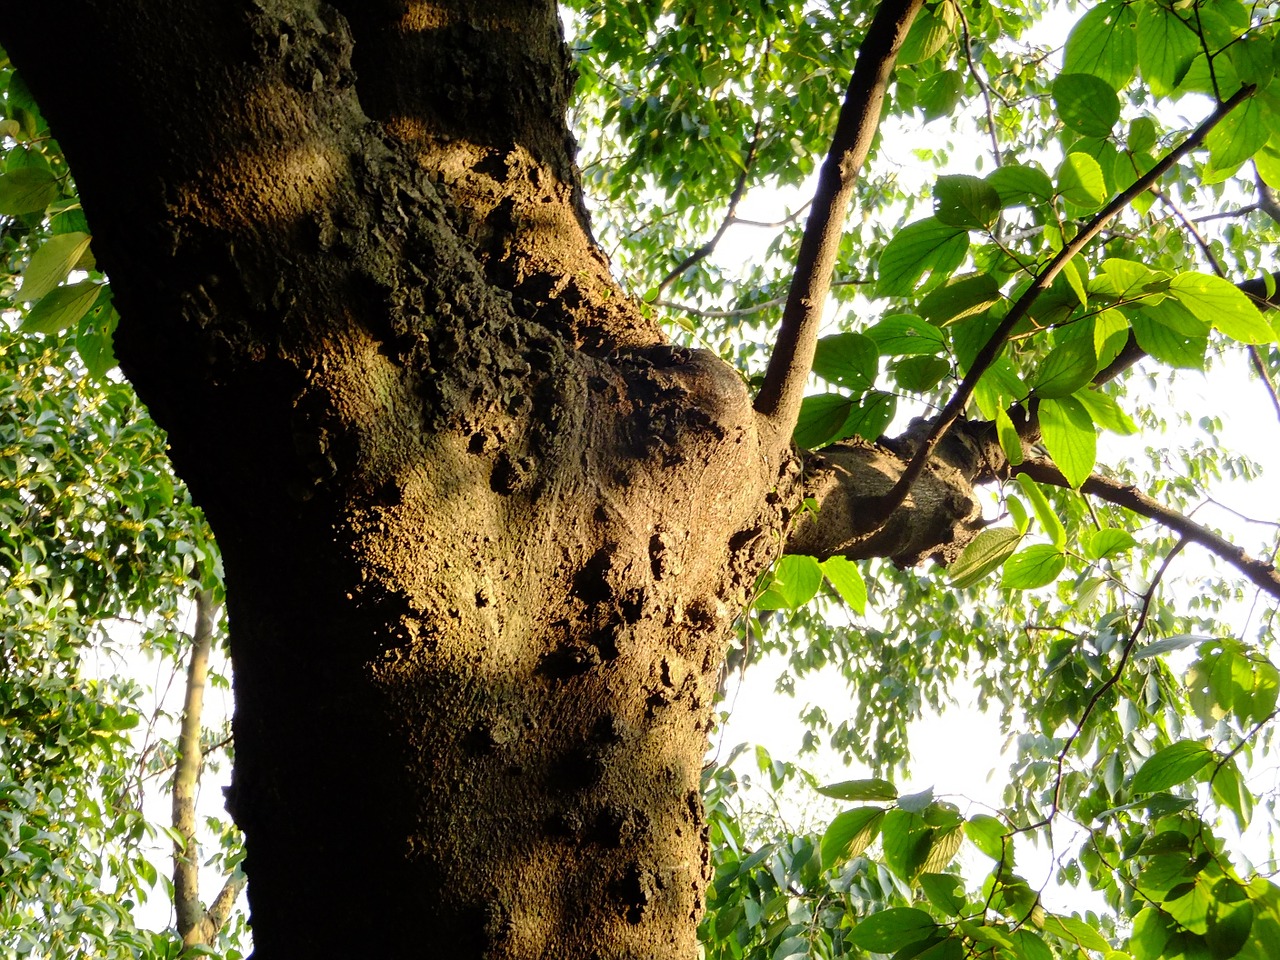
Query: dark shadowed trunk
{"points": [[484, 530]]}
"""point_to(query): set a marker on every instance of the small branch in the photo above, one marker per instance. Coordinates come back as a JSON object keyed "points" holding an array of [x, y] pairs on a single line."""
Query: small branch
{"points": [[775, 224], [1259, 572], [987, 355], [186, 777], [966, 46], [730, 217], [1228, 214], [1268, 199], [778, 403], [739, 311], [216, 916], [1110, 682]]}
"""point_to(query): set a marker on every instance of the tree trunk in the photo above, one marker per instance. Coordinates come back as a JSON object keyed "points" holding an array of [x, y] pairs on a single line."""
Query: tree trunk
{"points": [[484, 531]]}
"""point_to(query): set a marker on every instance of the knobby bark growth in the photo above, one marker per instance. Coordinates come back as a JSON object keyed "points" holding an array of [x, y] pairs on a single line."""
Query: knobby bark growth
{"points": [[485, 530]]}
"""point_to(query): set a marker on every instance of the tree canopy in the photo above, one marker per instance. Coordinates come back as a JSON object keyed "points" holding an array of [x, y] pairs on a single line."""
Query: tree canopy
{"points": [[1064, 224]]}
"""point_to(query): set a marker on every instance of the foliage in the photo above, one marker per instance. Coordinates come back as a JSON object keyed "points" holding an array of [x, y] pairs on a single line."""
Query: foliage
{"points": [[1138, 710], [100, 551]]}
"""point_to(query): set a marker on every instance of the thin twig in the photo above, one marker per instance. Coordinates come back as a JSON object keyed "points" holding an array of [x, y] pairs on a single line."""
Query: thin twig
{"points": [[967, 48], [730, 216], [774, 224], [879, 512], [1260, 573], [740, 311], [1255, 355], [1107, 684], [778, 403]]}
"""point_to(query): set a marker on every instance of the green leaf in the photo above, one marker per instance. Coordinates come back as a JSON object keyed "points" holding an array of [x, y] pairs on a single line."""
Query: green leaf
{"points": [[870, 415], [1080, 181], [1166, 46], [872, 788], [94, 335], [1142, 132], [905, 840], [1086, 104], [1071, 273], [1030, 946], [926, 245], [1106, 412], [1110, 335], [1130, 281], [849, 359], [845, 576], [1104, 44], [1045, 513], [983, 554], [51, 263], [987, 834], [918, 374], [1070, 438], [1238, 137], [903, 335], [939, 94], [1166, 344], [1066, 369], [944, 891], [797, 579], [1077, 931], [931, 31], [1033, 567], [849, 834], [1151, 931], [1222, 304], [890, 930], [1228, 920], [960, 297], [1232, 792], [961, 200], [1007, 434], [26, 190], [62, 307], [1171, 765], [822, 417], [1107, 542], [1017, 184]]}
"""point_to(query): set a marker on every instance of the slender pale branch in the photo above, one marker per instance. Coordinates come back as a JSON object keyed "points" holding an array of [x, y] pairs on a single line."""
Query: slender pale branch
{"points": [[186, 774], [1259, 572], [991, 350], [778, 403]]}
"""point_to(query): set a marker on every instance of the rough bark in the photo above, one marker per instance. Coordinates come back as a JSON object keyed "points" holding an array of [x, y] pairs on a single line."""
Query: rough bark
{"points": [[484, 531]]}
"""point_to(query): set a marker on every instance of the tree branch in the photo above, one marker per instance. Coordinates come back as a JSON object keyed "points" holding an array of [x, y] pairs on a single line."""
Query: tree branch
{"points": [[730, 218], [880, 511], [740, 311], [778, 403], [186, 777], [1259, 572]]}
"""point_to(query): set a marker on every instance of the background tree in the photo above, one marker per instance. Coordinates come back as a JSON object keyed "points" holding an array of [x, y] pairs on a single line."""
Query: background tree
{"points": [[487, 529]]}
